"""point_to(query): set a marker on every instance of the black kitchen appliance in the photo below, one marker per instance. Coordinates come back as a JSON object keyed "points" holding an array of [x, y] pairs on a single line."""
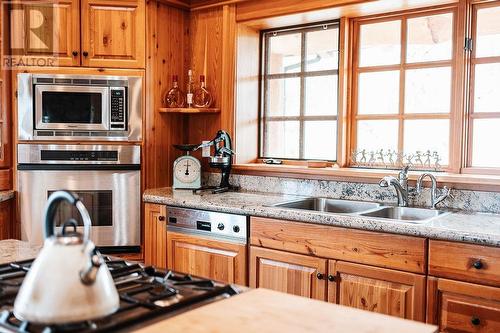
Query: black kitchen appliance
{"points": [[222, 159], [146, 295]]}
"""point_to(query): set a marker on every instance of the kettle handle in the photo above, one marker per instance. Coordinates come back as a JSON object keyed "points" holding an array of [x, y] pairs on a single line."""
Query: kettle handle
{"points": [[51, 207]]}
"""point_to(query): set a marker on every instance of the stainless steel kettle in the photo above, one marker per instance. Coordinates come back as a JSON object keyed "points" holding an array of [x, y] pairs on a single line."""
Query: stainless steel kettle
{"points": [[68, 281]]}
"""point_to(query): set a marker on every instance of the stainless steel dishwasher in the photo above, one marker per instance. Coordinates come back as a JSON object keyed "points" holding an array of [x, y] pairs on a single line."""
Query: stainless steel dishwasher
{"points": [[208, 244]]}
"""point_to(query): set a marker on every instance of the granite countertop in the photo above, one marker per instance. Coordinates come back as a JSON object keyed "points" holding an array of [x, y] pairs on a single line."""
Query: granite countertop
{"points": [[6, 195], [476, 228], [16, 250]]}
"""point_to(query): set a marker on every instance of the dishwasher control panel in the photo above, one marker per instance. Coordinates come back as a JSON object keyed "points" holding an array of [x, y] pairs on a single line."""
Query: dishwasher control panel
{"points": [[213, 223]]}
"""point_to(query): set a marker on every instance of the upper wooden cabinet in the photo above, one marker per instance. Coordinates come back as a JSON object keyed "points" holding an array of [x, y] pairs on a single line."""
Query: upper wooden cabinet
{"points": [[91, 33], [46, 30], [287, 272], [208, 258], [113, 33]]}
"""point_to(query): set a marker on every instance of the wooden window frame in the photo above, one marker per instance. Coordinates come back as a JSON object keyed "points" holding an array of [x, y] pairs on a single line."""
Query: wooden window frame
{"points": [[454, 62], [472, 61], [302, 75]]}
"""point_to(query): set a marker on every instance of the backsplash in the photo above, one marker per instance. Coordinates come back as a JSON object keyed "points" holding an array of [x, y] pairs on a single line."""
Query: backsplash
{"points": [[467, 200]]}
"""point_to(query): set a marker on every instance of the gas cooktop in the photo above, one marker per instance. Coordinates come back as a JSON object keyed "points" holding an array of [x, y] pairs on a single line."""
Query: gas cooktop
{"points": [[146, 295]]}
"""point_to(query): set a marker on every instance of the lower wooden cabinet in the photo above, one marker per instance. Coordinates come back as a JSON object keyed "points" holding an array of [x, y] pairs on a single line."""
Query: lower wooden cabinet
{"points": [[386, 291], [213, 259], [287, 272], [364, 287], [463, 307], [155, 235], [6, 219]]}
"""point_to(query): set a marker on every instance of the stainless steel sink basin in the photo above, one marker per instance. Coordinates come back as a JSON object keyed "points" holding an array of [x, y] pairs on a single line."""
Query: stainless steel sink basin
{"points": [[406, 214], [330, 205]]}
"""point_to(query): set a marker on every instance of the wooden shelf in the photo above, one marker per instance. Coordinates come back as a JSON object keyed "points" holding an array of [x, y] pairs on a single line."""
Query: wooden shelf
{"points": [[189, 110]]}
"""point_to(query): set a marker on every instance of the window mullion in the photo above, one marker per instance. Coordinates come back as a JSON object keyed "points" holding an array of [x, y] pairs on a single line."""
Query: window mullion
{"points": [[302, 95], [402, 75]]}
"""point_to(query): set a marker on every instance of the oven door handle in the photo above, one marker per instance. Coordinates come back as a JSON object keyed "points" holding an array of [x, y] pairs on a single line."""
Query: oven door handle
{"points": [[84, 167]]}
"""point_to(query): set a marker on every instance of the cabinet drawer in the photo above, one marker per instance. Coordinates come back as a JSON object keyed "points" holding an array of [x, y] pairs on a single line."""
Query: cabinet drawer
{"points": [[365, 247], [463, 307], [466, 262]]}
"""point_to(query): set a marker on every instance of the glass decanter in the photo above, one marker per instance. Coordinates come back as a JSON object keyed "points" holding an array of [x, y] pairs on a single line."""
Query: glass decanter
{"points": [[202, 97], [190, 89], [174, 97]]}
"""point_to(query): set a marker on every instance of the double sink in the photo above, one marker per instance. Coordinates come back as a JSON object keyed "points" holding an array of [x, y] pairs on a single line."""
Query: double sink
{"points": [[361, 208]]}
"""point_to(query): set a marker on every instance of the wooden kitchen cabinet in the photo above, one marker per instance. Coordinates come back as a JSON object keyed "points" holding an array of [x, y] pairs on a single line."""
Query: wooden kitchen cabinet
{"points": [[6, 222], [213, 259], [463, 307], [113, 33], [288, 272], [155, 235], [385, 291], [46, 30]]}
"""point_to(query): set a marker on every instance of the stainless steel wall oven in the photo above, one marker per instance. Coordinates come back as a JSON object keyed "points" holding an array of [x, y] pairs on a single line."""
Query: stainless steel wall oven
{"points": [[106, 177]]}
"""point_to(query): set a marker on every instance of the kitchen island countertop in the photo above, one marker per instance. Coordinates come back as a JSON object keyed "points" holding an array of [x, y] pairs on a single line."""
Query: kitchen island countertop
{"points": [[475, 228], [258, 310]]}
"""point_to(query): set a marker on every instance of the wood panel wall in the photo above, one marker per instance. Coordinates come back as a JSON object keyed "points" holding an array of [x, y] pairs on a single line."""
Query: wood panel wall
{"points": [[167, 52]]}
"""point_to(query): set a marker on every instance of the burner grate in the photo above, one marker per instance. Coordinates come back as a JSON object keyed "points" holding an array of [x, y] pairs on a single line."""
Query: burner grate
{"points": [[145, 293]]}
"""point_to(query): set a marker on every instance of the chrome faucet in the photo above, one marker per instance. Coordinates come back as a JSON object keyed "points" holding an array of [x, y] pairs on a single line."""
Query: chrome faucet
{"points": [[435, 199], [400, 184]]}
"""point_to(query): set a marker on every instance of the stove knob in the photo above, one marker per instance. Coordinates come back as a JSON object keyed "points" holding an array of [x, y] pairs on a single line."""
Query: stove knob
{"points": [[220, 226], [236, 228]]}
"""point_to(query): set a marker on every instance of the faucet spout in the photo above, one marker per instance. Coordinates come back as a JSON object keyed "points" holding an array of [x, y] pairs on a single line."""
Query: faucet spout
{"points": [[435, 198], [401, 189]]}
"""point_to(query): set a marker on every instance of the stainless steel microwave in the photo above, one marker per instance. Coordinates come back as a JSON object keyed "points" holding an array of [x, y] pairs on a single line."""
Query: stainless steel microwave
{"points": [[79, 107]]}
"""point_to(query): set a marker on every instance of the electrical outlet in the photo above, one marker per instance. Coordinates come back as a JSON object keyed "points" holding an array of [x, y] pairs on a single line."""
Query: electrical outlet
{"points": [[205, 152]]}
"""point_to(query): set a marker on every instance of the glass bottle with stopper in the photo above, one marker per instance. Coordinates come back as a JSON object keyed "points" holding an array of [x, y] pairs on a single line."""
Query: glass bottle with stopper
{"points": [[202, 97], [174, 97], [190, 89]]}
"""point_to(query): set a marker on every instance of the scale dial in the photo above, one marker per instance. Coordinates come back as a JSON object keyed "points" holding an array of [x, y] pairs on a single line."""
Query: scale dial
{"points": [[187, 172]]}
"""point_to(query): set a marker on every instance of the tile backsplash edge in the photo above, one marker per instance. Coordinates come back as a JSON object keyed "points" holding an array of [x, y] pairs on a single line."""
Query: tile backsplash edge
{"points": [[467, 200]]}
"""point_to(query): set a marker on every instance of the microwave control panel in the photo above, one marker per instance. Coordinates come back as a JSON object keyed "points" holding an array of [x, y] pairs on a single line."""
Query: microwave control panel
{"points": [[118, 112]]}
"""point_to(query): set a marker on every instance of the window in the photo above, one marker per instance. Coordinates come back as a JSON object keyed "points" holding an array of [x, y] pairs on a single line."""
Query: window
{"points": [[403, 69], [299, 93], [484, 121]]}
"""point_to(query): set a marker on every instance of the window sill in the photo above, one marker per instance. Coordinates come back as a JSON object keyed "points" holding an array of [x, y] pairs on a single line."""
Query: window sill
{"points": [[457, 181]]}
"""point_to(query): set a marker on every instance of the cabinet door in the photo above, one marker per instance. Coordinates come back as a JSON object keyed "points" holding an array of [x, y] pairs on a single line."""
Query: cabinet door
{"points": [[379, 290], [46, 33], [209, 258], [287, 272], [6, 219], [113, 33], [155, 235], [463, 307]]}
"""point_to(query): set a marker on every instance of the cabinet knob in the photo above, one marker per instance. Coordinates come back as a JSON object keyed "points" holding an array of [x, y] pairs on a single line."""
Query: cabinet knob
{"points": [[75, 53], [161, 218], [331, 278], [477, 264], [475, 321], [85, 54], [320, 276]]}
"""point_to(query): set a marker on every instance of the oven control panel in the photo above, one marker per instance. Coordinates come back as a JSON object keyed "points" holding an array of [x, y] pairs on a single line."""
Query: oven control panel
{"points": [[78, 155], [117, 109], [227, 226]]}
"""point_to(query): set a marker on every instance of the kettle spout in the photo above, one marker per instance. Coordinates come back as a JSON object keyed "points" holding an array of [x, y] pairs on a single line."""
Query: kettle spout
{"points": [[89, 274]]}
